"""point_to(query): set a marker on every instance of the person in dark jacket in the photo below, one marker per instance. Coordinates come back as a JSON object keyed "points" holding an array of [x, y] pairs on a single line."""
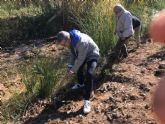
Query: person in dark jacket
{"points": [[83, 51], [137, 29]]}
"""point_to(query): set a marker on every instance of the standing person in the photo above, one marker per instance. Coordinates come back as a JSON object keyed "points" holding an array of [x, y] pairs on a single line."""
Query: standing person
{"points": [[124, 30], [84, 51], [137, 29]]}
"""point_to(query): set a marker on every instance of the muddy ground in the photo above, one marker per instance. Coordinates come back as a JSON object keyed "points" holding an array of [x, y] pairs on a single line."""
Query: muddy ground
{"points": [[124, 96]]}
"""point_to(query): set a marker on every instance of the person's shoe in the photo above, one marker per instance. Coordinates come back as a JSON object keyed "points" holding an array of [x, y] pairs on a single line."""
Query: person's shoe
{"points": [[77, 86], [87, 107]]}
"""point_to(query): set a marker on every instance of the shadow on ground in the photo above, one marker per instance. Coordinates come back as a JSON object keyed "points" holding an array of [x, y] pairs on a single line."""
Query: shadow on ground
{"points": [[60, 99], [159, 55], [51, 112]]}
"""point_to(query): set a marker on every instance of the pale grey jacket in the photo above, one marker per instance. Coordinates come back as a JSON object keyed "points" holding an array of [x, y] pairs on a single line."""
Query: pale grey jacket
{"points": [[85, 50], [124, 27]]}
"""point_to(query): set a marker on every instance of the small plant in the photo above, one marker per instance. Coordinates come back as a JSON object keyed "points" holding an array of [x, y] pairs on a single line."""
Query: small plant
{"points": [[43, 76]]}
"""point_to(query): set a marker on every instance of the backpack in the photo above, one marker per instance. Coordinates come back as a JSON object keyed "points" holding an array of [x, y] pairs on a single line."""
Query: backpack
{"points": [[135, 22]]}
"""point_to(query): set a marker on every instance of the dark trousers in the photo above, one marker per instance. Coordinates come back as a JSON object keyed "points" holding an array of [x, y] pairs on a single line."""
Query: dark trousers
{"points": [[87, 78], [121, 48]]}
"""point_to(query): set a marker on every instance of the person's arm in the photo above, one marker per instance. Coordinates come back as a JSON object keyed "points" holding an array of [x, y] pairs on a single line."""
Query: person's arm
{"points": [[71, 59], [82, 53], [128, 27]]}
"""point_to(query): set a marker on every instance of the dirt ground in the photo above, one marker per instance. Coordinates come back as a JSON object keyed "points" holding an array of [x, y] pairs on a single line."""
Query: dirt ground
{"points": [[125, 96]]}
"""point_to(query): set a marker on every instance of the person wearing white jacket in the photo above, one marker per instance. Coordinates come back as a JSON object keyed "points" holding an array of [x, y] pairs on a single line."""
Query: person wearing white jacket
{"points": [[124, 30]]}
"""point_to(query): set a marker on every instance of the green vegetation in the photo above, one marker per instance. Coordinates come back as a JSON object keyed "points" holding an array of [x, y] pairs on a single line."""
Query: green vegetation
{"points": [[98, 22], [15, 107], [144, 9], [25, 19], [97, 18], [42, 76]]}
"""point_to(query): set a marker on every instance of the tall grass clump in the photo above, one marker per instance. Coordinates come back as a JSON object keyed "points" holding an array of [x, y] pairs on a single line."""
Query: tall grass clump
{"points": [[43, 76], [96, 19]]}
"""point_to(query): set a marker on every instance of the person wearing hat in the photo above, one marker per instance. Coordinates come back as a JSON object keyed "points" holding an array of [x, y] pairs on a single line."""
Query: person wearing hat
{"points": [[123, 29], [83, 51]]}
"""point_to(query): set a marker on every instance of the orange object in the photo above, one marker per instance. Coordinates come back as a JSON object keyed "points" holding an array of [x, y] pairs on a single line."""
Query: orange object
{"points": [[157, 33], [159, 101], [157, 27]]}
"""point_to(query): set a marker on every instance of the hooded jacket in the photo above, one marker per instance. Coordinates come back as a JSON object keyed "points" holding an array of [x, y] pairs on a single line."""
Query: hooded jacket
{"points": [[124, 27], [83, 49]]}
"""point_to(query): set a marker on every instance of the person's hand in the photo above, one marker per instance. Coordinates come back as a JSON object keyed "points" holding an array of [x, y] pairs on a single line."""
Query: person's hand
{"points": [[69, 67]]}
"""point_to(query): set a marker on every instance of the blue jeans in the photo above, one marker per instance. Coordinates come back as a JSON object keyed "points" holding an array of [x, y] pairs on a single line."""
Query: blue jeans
{"points": [[87, 79]]}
